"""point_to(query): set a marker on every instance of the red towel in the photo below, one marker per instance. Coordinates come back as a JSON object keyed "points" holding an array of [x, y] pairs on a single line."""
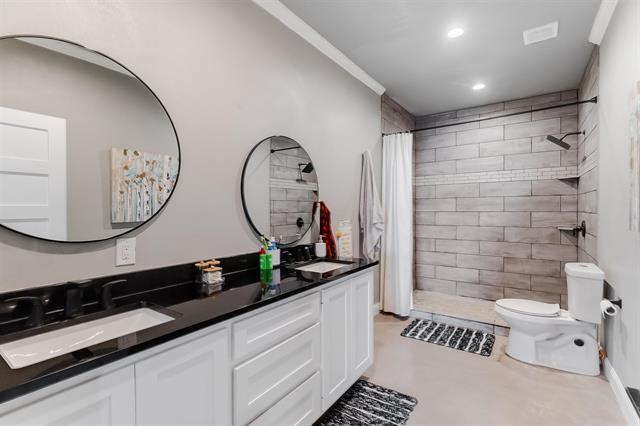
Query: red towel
{"points": [[325, 227]]}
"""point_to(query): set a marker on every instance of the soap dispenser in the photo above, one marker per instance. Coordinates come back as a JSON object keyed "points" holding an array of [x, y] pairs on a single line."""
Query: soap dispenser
{"points": [[320, 247]]}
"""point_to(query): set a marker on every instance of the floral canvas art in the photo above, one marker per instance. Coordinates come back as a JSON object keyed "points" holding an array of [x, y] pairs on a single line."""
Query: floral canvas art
{"points": [[141, 182]]}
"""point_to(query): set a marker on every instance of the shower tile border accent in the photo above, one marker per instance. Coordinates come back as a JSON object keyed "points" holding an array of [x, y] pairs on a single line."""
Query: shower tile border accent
{"points": [[566, 172]]}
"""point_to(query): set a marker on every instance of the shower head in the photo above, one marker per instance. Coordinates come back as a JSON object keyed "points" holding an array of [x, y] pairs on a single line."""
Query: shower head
{"points": [[560, 142], [308, 168]]}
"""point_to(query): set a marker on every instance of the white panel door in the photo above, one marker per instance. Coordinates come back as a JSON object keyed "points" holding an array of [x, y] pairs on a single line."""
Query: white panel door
{"points": [[189, 384], [105, 401], [361, 324], [33, 173], [335, 343]]}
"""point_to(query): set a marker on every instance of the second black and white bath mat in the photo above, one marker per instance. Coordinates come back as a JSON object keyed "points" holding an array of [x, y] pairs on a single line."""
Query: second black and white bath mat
{"points": [[451, 336], [368, 404]]}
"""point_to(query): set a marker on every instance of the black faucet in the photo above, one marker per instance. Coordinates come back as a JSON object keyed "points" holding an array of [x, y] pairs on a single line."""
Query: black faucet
{"points": [[36, 318], [307, 253], [288, 257], [73, 303], [106, 302]]}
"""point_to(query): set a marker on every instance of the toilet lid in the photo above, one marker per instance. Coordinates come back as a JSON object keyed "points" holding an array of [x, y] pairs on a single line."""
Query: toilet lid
{"points": [[530, 307]]}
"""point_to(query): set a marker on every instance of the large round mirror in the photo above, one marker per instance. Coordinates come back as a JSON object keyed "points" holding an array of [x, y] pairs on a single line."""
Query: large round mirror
{"points": [[279, 187], [87, 150]]}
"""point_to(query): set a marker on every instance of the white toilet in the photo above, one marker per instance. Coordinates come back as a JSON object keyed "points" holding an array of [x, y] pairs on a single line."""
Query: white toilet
{"points": [[544, 334]]}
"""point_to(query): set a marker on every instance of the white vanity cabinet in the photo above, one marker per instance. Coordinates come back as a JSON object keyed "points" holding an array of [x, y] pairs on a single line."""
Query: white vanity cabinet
{"points": [[282, 364], [189, 384], [347, 335], [361, 325], [336, 306], [102, 401]]}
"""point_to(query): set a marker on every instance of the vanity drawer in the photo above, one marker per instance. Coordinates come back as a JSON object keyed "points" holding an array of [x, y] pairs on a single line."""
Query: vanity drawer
{"points": [[262, 331], [264, 380], [302, 406]]}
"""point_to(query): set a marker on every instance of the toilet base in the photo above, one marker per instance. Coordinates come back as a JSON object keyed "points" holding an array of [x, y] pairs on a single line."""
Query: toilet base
{"points": [[575, 352]]}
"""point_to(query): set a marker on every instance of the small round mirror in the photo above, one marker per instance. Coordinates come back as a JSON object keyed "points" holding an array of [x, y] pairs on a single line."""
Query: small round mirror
{"points": [[87, 150], [279, 186]]}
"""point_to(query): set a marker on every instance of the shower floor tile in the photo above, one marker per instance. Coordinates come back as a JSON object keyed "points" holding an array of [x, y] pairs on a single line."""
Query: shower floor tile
{"points": [[466, 308]]}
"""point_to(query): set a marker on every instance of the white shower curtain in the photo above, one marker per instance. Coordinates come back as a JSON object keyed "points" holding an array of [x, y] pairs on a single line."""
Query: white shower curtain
{"points": [[397, 240]]}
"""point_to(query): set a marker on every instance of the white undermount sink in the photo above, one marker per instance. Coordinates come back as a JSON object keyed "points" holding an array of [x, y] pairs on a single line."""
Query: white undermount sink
{"points": [[41, 347], [321, 267]]}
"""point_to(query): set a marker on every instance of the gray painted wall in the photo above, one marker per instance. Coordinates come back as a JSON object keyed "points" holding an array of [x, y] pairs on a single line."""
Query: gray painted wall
{"points": [[256, 187], [488, 201], [229, 75], [619, 248], [108, 109]]}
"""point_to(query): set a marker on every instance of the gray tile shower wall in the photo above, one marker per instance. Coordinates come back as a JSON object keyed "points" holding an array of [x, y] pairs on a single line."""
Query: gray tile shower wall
{"points": [[588, 162], [289, 200], [394, 117], [489, 197]]}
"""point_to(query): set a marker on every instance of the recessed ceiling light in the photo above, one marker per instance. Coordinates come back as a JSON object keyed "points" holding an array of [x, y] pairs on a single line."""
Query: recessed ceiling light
{"points": [[456, 32], [479, 86]]}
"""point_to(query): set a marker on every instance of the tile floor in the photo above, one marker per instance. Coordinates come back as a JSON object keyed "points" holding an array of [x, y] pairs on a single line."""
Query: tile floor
{"points": [[458, 388]]}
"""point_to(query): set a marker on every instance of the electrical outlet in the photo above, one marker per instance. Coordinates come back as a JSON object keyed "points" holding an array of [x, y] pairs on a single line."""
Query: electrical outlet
{"points": [[125, 251]]}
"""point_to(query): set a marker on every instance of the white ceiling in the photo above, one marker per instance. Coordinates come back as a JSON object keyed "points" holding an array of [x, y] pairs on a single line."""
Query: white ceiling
{"points": [[403, 45]]}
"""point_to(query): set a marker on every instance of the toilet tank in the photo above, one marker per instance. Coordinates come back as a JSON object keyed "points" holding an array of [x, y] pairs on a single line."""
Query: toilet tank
{"points": [[585, 291]]}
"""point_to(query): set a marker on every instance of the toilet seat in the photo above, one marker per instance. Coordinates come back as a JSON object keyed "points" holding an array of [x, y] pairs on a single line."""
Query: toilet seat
{"points": [[530, 307]]}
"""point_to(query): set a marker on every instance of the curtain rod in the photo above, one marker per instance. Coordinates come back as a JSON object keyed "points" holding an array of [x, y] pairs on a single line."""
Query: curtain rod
{"points": [[593, 100]]}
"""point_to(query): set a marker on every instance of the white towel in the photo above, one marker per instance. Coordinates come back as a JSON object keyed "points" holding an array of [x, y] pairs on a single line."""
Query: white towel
{"points": [[371, 214]]}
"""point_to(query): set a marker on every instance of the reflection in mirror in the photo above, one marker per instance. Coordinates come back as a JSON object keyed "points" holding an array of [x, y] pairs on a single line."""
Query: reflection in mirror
{"points": [[279, 187], [87, 151]]}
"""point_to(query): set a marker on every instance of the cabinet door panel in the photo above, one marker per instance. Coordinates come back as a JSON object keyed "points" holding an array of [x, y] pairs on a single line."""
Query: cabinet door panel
{"points": [[302, 406], [361, 324], [186, 385], [335, 343], [259, 332], [104, 401], [265, 379]]}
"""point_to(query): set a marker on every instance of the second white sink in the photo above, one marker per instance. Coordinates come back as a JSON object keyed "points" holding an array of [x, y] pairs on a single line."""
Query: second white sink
{"points": [[41, 347], [321, 267]]}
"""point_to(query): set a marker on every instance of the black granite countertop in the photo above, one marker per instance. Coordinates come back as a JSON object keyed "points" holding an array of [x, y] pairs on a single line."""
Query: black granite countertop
{"points": [[243, 291]]}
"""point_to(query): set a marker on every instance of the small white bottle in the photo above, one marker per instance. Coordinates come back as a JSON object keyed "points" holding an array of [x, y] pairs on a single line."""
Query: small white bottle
{"points": [[274, 251], [320, 248]]}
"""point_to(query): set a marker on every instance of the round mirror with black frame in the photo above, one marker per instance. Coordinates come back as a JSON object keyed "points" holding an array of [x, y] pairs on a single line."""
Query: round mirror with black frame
{"points": [[87, 150], [279, 186]]}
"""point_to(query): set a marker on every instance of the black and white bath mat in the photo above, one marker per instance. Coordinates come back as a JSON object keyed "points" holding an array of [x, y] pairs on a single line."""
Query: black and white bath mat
{"points": [[368, 404], [451, 336]]}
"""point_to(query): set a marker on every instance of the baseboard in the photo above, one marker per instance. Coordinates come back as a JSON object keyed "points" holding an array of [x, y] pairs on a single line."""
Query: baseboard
{"points": [[628, 411], [414, 313], [375, 309]]}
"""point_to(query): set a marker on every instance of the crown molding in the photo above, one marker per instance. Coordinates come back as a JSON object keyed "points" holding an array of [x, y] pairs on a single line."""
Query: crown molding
{"points": [[279, 11], [601, 21]]}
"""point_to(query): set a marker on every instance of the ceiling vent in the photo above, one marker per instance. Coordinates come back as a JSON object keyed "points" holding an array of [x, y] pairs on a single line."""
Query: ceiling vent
{"points": [[538, 34]]}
